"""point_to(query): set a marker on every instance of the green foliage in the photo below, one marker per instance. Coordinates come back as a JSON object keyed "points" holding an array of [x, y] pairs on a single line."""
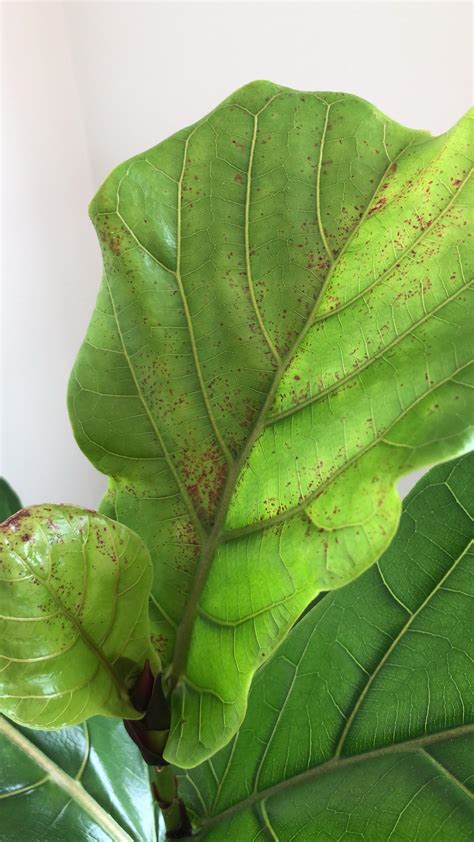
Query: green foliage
{"points": [[74, 628], [9, 500], [282, 331], [361, 725], [87, 782]]}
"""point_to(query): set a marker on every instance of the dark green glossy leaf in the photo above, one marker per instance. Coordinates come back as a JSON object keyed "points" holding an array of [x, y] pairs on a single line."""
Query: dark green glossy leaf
{"points": [[360, 727], [282, 331], [74, 628], [9, 500], [83, 783]]}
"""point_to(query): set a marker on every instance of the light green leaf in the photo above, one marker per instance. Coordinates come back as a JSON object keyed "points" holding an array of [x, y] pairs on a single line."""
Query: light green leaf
{"points": [[9, 500], [360, 727], [87, 782], [74, 628], [282, 331]]}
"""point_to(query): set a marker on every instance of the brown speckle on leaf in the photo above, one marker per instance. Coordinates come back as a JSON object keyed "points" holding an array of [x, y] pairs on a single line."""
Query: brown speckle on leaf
{"points": [[378, 205]]}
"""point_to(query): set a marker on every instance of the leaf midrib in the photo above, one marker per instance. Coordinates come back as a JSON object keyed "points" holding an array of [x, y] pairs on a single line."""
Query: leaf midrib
{"points": [[328, 390], [338, 761], [401, 257], [259, 526], [120, 686], [335, 764], [405, 627], [69, 785], [211, 541], [184, 630]]}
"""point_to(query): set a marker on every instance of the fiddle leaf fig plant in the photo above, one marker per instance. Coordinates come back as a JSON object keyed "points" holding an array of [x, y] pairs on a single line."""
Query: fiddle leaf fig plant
{"points": [[362, 723], [282, 331]]}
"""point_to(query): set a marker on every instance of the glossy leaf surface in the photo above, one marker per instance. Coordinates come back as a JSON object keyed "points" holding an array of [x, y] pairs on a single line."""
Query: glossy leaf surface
{"points": [[83, 783], [282, 331], [9, 500], [74, 628], [360, 727]]}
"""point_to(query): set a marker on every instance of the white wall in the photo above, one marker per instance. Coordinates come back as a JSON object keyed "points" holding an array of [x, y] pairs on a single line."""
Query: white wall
{"points": [[50, 261], [86, 85]]}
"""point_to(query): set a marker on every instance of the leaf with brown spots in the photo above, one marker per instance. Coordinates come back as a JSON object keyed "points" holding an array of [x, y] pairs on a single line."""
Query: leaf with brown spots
{"points": [[361, 726], [74, 626], [286, 336]]}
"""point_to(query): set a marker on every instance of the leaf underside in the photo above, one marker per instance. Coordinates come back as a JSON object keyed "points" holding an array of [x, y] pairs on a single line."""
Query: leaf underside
{"points": [[361, 725], [281, 332], [74, 627], [87, 782]]}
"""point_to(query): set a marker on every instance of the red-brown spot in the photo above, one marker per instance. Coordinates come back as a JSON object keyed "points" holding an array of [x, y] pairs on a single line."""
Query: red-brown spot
{"points": [[378, 205]]}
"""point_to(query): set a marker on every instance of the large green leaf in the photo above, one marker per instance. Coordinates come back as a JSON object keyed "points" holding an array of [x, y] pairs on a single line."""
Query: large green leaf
{"points": [[74, 628], [281, 332], [9, 500], [86, 783], [361, 727]]}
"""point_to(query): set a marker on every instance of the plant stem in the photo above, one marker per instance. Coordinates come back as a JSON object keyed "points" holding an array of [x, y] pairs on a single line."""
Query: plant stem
{"points": [[175, 816], [150, 734]]}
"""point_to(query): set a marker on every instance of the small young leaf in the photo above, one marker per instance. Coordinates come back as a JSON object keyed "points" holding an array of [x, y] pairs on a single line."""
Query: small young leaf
{"points": [[361, 725], [282, 331], [83, 783], [74, 629]]}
